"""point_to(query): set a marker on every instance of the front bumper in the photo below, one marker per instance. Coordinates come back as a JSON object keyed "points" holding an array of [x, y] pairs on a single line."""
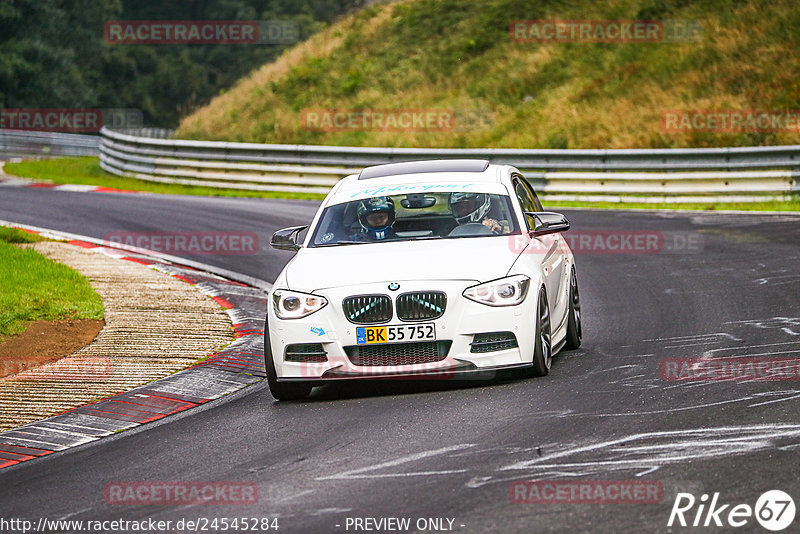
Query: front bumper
{"points": [[460, 322]]}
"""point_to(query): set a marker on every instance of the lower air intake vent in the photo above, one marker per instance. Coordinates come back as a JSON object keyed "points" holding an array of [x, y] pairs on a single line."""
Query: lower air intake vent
{"points": [[306, 353], [493, 341], [398, 353]]}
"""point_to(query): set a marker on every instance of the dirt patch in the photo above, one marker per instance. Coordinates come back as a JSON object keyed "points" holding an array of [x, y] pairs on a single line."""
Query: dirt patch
{"points": [[46, 341]]}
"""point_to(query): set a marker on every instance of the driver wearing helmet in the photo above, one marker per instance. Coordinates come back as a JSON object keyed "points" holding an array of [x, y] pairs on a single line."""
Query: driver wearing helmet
{"points": [[376, 217], [473, 208]]}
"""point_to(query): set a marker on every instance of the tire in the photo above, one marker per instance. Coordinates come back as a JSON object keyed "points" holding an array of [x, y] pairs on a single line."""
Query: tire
{"points": [[281, 390], [543, 347], [574, 328]]}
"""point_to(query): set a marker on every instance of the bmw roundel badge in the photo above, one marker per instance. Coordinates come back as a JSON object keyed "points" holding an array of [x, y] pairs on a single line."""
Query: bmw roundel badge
{"points": [[394, 286]]}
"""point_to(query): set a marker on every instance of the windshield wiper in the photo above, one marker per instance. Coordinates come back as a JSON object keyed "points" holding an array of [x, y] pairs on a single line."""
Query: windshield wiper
{"points": [[337, 243], [425, 238]]}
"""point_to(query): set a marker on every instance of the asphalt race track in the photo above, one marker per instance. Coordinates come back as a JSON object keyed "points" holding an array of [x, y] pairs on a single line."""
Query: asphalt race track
{"points": [[452, 450]]}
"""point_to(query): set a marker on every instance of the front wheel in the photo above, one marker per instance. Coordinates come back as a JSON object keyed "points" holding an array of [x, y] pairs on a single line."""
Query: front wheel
{"points": [[281, 390], [574, 329], [542, 349]]}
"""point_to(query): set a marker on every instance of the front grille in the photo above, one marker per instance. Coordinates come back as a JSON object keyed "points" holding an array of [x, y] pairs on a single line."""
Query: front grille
{"points": [[398, 353], [306, 353], [421, 306], [367, 309], [493, 341]]}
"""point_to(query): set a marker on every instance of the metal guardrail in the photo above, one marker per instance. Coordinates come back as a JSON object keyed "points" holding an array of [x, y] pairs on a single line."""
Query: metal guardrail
{"points": [[633, 175], [46, 144], [158, 133]]}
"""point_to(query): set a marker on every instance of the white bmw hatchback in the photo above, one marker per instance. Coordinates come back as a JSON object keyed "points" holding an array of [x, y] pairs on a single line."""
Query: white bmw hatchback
{"points": [[428, 269]]}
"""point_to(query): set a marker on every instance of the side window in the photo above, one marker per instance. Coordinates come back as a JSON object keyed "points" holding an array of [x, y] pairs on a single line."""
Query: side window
{"points": [[527, 198], [535, 197]]}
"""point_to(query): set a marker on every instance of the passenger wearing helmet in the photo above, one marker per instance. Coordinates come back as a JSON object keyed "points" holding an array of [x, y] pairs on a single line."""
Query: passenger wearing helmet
{"points": [[376, 217], [473, 208]]}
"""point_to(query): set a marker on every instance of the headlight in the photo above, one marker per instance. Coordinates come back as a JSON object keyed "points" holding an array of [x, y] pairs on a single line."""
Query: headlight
{"points": [[504, 292], [294, 305]]}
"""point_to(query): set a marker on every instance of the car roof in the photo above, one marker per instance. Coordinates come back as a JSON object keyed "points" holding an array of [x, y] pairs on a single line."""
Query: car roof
{"points": [[414, 167], [395, 178]]}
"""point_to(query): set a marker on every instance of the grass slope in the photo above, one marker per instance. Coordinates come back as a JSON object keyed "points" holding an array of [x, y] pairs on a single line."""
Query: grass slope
{"points": [[33, 287], [458, 55]]}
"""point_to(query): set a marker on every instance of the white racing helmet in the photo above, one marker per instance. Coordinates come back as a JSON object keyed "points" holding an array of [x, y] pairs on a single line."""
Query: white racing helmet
{"points": [[469, 207]]}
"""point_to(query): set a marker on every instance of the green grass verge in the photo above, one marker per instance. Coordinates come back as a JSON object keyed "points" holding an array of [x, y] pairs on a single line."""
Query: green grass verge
{"points": [[15, 235], [87, 171], [33, 287]]}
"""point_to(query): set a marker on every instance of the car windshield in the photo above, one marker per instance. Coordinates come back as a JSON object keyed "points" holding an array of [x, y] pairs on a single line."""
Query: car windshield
{"points": [[415, 216]]}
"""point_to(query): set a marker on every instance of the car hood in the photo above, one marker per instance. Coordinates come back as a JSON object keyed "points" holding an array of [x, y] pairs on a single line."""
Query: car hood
{"points": [[479, 259]]}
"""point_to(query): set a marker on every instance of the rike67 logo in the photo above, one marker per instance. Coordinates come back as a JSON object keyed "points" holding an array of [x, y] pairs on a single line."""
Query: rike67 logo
{"points": [[774, 510]]}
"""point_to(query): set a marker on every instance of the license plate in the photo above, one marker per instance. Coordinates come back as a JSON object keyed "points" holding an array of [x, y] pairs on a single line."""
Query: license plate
{"points": [[368, 335]]}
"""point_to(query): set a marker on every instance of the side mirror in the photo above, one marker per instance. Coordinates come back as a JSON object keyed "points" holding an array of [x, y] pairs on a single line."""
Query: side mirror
{"points": [[548, 222], [287, 239]]}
